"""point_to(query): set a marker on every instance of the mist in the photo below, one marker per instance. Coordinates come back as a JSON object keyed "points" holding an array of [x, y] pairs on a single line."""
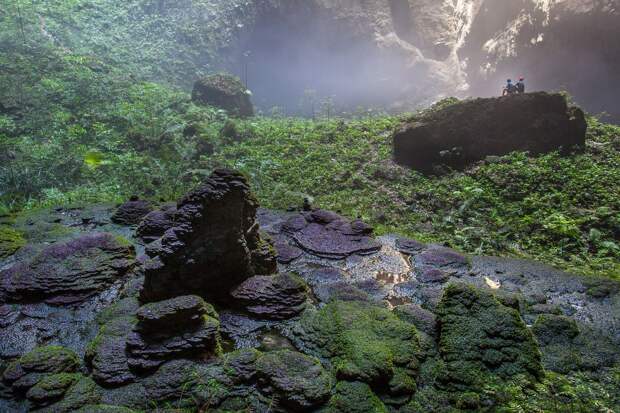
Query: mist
{"points": [[404, 55]]}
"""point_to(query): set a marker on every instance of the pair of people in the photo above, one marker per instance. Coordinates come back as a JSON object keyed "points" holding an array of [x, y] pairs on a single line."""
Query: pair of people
{"points": [[514, 89]]}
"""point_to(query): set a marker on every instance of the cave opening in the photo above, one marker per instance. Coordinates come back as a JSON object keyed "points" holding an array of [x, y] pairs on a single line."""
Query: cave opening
{"points": [[299, 60]]}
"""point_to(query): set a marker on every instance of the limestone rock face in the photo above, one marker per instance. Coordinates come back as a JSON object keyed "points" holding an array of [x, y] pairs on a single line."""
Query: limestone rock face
{"points": [[213, 246], [469, 131], [69, 271], [327, 234], [182, 327], [277, 297], [225, 92], [132, 212]]}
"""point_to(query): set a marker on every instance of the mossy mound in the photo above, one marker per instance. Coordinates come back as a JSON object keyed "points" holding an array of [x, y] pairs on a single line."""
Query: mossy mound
{"points": [[355, 397], [364, 342], [10, 242], [223, 91], [298, 381], [483, 341]]}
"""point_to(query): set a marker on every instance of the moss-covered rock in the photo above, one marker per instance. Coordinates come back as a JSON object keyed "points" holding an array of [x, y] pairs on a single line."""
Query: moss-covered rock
{"points": [[363, 341], [550, 328], [482, 340], [10, 241], [223, 91], [84, 392], [40, 362], [298, 381], [355, 397], [51, 388]]}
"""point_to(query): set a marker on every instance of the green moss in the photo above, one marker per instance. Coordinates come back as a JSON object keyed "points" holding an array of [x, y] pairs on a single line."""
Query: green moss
{"points": [[482, 341], [10, 241], [363, 341], [355, 397], [50, 359], [550, 328]]}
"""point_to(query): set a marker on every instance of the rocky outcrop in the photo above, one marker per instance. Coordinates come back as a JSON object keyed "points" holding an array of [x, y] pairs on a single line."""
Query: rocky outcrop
{"points": [[213, 246], [277, 297], [69, 271], [481, 339], [156, 223], [132, 212], [24, 373], [465, 132], [353, 335], [327, 234], [298, 381], [223, 91], [181, 327]]}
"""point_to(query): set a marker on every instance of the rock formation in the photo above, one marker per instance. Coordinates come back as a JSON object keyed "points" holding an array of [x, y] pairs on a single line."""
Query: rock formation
{"points": [[326, 234], [132, 212], [225, 92], [277, 297], [468, 131], [68, 271], [181, 327], [213, 246]]}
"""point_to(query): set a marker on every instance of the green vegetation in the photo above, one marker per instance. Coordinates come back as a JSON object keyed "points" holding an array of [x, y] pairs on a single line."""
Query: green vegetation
{"points": [[83, 124], [10, 241]]}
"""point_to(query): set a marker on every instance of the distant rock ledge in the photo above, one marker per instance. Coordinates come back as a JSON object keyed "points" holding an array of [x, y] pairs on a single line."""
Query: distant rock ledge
{"points": [[460, 134]]}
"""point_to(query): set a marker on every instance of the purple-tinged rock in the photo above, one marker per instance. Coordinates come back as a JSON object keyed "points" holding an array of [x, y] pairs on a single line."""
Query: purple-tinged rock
{"points": [[156, 223], [409, 246], [442, 257], [277, 297], [287, 253], [70, 271], [132, 212], [328, 235], [213, 246]]}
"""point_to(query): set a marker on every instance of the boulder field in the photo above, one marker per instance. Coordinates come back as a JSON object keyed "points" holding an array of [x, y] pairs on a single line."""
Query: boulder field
{"points": [[213, 304], [464, 132]]}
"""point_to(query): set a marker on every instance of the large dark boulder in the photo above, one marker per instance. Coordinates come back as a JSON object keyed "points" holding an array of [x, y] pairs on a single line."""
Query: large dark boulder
{"points": [[223, 91], [181, 327], [465, 132], [277, 297], [213, 246]]}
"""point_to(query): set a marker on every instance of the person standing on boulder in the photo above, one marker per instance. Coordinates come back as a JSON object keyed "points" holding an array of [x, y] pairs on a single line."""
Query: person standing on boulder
{"points": [[521, 85], [510, 88]]}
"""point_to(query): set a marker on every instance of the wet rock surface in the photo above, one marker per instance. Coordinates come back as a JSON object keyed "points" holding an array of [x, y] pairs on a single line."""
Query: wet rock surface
{"points": [[132, 212], [391, 326], [181, 327], [276, 297], [68, 272], [213, 246], [469, 131], [326, 234]]}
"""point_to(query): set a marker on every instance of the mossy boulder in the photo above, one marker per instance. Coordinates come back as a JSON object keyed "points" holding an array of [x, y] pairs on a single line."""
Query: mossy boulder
{"points": [[84, 392], [51, 388], [465, 132], [481, 340], [223, 91], [355, 397], [298, 381], [29, 369], [363, 341], [10, 241], [551, 328]]}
